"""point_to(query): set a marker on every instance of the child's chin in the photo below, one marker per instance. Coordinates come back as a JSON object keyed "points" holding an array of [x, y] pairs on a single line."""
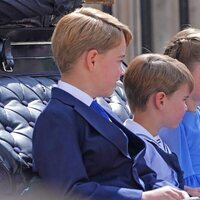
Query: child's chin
{"points": [[175, 126]]}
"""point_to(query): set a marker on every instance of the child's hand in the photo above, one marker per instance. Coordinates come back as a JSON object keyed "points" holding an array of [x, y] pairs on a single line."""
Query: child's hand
{"points": [[165, 193], [194, 192]]}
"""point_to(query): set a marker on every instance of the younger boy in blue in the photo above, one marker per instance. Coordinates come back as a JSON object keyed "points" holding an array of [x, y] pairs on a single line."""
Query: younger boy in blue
{"points": [[159, 100]]}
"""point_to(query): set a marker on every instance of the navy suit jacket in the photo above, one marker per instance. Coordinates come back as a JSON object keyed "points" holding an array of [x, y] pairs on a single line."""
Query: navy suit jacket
{"points": [[84, 154]]}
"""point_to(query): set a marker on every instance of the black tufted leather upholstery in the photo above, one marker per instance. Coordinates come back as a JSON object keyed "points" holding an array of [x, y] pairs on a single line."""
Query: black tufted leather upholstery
{"points": [[22, 98]]}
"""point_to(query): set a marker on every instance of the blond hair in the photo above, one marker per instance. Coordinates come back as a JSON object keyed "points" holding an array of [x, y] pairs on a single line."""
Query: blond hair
{"points": [[83, 30], [185, 47], [151, 73]]}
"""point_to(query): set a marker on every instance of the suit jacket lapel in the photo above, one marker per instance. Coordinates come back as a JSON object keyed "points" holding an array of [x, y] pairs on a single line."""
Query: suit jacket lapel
{"points": [[136, 144], [107, 129]]}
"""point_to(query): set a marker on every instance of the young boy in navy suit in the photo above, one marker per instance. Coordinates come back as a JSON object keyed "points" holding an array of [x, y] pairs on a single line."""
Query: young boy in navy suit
{"points": [[84, 154]]}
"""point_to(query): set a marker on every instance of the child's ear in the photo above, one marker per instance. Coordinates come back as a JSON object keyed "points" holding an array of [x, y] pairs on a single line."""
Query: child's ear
{"points": [[91, 56], [160, 100]]}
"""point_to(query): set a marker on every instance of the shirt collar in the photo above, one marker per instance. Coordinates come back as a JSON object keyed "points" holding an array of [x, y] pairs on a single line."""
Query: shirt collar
{"points": [[76, 92], [138, 129], [142, 132]]}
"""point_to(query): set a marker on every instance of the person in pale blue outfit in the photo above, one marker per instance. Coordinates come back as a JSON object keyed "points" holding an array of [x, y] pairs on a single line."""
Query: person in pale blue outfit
{"points": [[157, 101], [185, 139]]}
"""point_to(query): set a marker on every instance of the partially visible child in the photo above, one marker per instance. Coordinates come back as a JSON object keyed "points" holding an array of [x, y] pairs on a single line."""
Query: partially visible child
{"points": [[185, 139], [157, 88]]}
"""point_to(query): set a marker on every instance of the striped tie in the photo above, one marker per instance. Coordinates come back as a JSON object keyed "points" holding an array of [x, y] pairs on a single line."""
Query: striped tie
{"points": [[162, 145]]}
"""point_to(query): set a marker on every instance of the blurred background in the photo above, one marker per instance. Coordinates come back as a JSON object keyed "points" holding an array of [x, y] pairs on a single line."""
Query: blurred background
{"points": [[153, 22]]}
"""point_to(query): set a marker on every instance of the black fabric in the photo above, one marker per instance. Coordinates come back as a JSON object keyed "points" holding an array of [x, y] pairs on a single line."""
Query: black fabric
{"points": [[172, 160], [6, 58], [12, 11], [13, 175], [6, 184]]}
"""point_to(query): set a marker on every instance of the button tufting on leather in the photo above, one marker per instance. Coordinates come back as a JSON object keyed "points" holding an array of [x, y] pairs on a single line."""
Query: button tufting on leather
{"points": [[31, 124], [1, 105], [9, 129], [25, 103], [17, 149], [45, 102]]}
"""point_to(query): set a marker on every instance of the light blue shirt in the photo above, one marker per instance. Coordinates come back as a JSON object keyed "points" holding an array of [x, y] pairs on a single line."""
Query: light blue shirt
{"points": [[153, 159]]}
